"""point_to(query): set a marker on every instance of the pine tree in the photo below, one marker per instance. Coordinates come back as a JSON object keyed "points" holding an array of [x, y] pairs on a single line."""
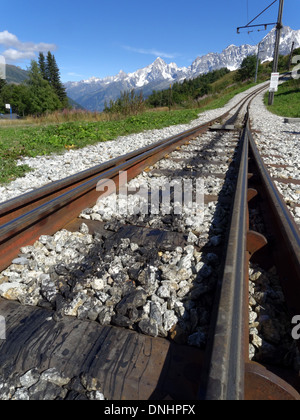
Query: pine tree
{"points": [[18, 96], [2, 84], [42, 66], [42, 96], [247, 69], [53, 75]]}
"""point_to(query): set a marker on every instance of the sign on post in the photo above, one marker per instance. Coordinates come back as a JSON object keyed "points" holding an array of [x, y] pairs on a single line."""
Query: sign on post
{"points": [[7, 106], [274, 82], [296, 69]]}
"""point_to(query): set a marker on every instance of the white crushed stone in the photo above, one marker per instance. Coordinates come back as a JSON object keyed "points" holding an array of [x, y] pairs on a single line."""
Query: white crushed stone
{"points": [[277, 138]]}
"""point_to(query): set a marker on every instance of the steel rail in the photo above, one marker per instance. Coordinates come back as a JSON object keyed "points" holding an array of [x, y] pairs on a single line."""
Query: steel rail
{"points": [[54, 214], [231, 375], [9, 208], [48, 209], [226, 376], [26, 202]]}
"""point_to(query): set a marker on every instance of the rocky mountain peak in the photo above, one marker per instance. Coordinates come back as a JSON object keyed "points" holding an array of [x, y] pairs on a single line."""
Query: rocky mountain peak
{"points": [[92, 93]]}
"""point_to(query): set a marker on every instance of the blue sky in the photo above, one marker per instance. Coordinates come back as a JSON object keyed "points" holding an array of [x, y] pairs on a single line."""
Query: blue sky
{"points": [[100, 38]]}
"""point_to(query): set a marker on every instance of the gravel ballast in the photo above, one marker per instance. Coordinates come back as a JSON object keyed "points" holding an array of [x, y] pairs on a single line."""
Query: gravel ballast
{"points": [[161, 292], [279, 142], [125, 283], [165, 292], [271, 340]]}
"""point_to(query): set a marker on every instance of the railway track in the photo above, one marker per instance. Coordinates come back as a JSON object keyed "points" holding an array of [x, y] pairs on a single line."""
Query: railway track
{"points": [[197, 345]]}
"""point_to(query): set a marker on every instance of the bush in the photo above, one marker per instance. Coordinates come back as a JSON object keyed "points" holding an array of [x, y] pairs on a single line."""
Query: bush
{"points": [[129, 103]]}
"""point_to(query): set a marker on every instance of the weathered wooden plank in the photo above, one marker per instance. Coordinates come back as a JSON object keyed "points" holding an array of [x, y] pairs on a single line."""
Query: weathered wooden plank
{"points": [[126, 365]]}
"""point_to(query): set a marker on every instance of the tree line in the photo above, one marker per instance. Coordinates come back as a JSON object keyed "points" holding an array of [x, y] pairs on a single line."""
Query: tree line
{"points": [[42, 92], [188, 92], [247, 69], [182, 94]]}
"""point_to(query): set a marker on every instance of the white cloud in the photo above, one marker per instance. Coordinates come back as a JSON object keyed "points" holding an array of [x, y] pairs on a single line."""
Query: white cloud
{"points": [[14, 55], [75, 74], [153, 51], [18, 50], [8, 39]]}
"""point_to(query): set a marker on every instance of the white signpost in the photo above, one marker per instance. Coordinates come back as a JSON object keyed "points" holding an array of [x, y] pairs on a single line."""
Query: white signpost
{"points": [[7, 106], [274, 82]]}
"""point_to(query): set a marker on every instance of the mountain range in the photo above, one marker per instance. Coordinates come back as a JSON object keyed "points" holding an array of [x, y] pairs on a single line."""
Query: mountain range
{"points": [[15, 74], [92, 93]]}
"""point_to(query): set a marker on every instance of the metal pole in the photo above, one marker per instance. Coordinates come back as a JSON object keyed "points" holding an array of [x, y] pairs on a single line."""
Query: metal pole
{"points": [[257, 63], [277, 44], [291, 56]]}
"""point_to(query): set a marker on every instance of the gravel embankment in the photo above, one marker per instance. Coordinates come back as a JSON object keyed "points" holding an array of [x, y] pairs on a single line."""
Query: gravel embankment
{"points": [[128, 284], [164, 291], [270, 324], [277, 138]]}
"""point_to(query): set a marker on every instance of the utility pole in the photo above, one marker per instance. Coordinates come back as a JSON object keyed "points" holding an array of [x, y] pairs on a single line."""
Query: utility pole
{"points": [[257, 63], [291, 56], [170, 97], [277, 45]]}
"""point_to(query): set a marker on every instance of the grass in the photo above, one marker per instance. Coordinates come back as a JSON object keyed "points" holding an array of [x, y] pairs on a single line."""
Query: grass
{"points": [[286, 100], [36, 140], [57, 117], [225, 89], [218, 100]]}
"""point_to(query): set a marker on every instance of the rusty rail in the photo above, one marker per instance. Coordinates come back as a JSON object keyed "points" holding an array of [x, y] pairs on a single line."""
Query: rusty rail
{"points": [[226, 377], [45, 211], [48, 209], [231, 375], [26, 202]]}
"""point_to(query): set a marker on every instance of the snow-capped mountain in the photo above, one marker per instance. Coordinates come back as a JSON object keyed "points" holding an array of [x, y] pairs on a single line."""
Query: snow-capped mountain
{"points": [[156, 74], [231, 58], [93, 93], [158, 70], [288, 36]]}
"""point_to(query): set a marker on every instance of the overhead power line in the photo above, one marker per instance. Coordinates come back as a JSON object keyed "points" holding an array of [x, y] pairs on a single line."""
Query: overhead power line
{"points": [[277, 42], [263, 24]]}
